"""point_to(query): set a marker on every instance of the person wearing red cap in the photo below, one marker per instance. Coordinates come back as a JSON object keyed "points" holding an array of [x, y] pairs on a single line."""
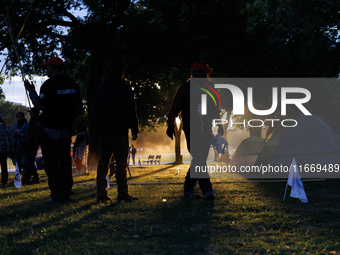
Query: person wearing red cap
{"points": [[60, 103], [199, 135]]}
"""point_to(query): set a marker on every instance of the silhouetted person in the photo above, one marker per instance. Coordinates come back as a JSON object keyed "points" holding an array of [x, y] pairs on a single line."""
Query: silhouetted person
{"points": [[19, 130], [196, 127], [6, 148], [32, 143], [133, 153], [114, 113], [60, 103]]}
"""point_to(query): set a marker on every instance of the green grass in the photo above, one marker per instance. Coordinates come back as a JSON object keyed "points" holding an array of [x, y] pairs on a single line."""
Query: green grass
{"points": [[10, 163], [245, 218]]}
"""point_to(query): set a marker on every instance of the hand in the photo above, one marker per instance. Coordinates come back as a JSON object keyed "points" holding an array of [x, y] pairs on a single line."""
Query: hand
{"points": [[134, 137], [28, 86], [170, 132]]}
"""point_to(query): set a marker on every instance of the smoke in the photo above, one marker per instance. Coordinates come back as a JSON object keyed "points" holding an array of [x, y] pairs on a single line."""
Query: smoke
{"points": [[157, 142]]}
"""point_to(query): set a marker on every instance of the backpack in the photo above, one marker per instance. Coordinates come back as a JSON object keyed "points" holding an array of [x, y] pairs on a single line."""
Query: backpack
{"points": [[220, 144]]}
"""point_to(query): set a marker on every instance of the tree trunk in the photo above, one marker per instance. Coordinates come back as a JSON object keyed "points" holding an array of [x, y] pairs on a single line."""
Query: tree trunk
{"points": [[179, 158], [178, 132]]}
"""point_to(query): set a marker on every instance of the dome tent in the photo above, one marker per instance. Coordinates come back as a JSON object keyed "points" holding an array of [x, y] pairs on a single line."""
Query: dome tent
{"points": [[312, 141], [247, 152]]}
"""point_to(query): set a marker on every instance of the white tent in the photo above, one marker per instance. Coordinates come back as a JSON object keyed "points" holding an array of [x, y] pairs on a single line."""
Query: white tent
{"points": [[312, 141]]}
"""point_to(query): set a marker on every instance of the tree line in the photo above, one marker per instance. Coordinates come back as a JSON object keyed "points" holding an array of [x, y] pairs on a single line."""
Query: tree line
{"points": [[10, 110]]}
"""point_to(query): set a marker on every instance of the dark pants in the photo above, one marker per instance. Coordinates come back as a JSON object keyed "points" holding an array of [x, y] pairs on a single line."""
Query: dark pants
{"points": [[20, 159], [133, 158], [30, 158], [119, 147], [199, 158], [4, 170], [58, 165]]}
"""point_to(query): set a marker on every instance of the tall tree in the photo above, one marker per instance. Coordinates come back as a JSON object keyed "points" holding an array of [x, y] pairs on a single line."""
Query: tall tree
{"points": [[55, 27]]}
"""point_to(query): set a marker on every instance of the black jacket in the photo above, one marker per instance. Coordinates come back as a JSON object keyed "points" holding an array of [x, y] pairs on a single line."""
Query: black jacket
{"points": [[61, 102], [114, 108]]}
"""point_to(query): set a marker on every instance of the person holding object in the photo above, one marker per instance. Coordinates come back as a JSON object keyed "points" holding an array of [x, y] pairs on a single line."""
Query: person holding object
{"points": [[196, 127], [60, 103], [114, 113]]}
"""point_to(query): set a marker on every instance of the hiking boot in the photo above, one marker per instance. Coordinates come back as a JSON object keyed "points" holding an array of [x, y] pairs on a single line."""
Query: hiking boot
{"points": [[127, 198], [209, 195], [104, 199], [191, 195]]}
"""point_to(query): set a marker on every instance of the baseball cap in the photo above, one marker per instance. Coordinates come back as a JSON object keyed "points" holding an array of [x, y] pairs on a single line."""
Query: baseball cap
{"points": [[54, 61], [201, 66]]}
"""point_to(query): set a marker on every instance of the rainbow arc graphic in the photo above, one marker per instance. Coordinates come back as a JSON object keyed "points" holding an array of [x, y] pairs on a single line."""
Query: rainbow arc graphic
{"points": [[210, 94]]}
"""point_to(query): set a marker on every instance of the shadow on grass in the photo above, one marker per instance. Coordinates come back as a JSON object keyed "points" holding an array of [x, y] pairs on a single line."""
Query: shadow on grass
{"points": [[152, 172], [75, 181], [27, 189], [186, 226], [245, 218], [143, 227]]}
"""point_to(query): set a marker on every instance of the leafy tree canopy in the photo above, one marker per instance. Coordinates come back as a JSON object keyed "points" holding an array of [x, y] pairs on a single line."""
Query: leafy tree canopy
{"points": [[159, 40]]}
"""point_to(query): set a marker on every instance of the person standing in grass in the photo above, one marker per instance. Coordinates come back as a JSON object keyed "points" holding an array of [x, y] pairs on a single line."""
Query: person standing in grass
{"points": [[114, 113], [199, 134], [19, 130], [6, 148], [60, 103], [132, 152], [32, 143]]}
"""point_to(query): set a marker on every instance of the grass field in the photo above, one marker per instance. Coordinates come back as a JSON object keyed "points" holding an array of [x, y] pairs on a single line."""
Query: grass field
{"points": [[245, 218]]}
